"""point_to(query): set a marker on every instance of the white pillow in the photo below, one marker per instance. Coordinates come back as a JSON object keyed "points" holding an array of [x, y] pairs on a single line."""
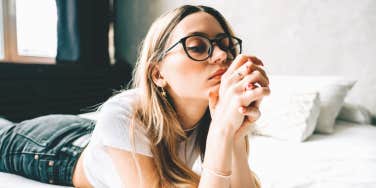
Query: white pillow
{"points": [[332, 91], [355, 113], [288, 116], [4, 122]]}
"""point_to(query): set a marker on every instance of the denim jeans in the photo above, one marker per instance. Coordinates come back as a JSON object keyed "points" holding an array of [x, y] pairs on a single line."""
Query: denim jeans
{"points": [[45, 148]]}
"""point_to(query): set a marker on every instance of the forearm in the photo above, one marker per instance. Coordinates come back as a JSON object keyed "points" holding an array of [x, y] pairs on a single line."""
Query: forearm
{"points": [[219, 147], [241, 172]]}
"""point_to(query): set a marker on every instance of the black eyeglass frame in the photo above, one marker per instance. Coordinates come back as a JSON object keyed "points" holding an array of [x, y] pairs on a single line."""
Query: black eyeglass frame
{"points": [[210, 53]]}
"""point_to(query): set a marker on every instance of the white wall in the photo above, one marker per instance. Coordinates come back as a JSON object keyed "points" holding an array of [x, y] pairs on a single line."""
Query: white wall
{"points": [[303, 37]]}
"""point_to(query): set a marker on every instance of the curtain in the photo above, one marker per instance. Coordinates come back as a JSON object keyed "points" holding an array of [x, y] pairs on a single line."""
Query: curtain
{"points": [[83, 32]]}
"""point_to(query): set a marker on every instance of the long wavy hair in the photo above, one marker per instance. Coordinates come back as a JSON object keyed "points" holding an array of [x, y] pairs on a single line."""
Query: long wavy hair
{"points": [[156, 112]]}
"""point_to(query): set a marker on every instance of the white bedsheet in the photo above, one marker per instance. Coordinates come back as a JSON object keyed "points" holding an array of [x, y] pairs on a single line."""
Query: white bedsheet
{"points": [[346, 158], [14, 181]]}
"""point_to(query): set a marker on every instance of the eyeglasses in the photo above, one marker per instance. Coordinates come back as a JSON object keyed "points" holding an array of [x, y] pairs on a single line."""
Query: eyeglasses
{"points": [[200, 48]]}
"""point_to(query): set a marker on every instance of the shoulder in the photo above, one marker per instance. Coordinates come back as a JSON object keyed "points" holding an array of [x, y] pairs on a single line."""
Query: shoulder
{"points": [[117, 112], [114, 122], [126, 100]]}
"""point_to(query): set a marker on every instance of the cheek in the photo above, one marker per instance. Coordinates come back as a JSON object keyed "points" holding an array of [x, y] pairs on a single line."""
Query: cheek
{"points": [[187, 78]]}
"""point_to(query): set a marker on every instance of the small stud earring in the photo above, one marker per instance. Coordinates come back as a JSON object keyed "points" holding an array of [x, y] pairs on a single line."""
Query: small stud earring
{"points": [[164, 94]]}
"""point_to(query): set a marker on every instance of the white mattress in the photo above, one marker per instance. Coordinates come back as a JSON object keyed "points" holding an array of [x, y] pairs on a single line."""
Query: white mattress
{"points": [[346, 158]]}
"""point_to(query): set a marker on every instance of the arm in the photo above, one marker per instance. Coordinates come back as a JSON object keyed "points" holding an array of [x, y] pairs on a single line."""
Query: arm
{"points": [[234, 106], [242, 175], [215, 157], [227, 136], [127, 169]]}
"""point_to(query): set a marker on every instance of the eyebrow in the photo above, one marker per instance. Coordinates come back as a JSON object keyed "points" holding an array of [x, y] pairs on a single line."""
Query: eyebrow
{"points": [[204, 34]]}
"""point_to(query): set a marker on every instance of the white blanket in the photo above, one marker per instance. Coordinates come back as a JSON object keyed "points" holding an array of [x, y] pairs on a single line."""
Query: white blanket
{"points": [[346, 159]]}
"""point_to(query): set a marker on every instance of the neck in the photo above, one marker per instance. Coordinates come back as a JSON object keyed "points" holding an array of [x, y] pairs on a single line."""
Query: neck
{"points": [[190, 111]]}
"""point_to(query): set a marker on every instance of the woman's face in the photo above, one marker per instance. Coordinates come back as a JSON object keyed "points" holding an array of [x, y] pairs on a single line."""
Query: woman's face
{"points": [[185, 77]]}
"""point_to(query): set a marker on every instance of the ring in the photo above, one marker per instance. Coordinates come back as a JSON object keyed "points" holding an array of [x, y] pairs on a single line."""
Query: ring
{"points": [[240, 75], [236, 76]]}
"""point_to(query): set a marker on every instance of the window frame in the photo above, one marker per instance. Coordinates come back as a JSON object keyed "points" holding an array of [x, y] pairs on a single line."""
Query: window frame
{"points": [[10, 38]]}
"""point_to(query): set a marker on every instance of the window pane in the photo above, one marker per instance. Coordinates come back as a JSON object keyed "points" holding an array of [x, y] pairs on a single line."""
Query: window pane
{"points": [[36, 28], [1, 32]]}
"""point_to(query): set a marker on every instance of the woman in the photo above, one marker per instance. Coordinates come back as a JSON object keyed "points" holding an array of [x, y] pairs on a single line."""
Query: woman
{"points": [[193, 94]]}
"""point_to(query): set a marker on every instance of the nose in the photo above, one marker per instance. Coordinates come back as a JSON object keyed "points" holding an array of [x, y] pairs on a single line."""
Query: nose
{"points": [[218, 55]]}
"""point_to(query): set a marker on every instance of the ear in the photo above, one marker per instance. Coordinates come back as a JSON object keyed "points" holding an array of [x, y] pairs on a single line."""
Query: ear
{"points": [[158, 79]]}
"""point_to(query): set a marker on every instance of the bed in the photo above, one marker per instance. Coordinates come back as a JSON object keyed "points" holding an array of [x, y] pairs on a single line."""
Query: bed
{"points": [[302, 139], [345, 158]]}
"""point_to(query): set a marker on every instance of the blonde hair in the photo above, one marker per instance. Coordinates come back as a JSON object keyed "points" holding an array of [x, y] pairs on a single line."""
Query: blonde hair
{"points": [[156, 112]]}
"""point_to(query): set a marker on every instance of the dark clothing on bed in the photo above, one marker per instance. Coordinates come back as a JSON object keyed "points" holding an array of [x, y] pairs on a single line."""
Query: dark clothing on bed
{"points": [[45, 148]]}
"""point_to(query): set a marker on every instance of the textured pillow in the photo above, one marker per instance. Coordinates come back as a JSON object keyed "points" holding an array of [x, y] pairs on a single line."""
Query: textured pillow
{"points": [[288, 116], [355, 113], [332, 91]]}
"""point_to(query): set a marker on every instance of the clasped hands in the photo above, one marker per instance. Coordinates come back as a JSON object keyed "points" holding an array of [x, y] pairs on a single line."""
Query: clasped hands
{"points": [[236, 100]]}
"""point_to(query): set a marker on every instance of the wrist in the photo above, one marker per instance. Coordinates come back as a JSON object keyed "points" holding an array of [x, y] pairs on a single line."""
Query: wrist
{"points": [[224, 130], [239, 140], [239, 147], [218, 158]]}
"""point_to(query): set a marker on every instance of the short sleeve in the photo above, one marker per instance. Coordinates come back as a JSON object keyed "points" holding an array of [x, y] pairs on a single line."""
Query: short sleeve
{"points": [[113, 126]]}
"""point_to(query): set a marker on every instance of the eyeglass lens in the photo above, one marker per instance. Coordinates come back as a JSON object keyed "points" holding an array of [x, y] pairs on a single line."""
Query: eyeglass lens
{"points": [[200, 48]]}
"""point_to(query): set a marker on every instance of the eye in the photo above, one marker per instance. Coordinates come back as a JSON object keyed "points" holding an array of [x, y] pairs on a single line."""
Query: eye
{"points": [[197, 49], [197, 44]]}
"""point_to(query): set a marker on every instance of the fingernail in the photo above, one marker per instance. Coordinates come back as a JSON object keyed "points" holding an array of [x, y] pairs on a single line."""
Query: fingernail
{"points": [[251, 86], [250, 59], [256, 60], [242, 110]]}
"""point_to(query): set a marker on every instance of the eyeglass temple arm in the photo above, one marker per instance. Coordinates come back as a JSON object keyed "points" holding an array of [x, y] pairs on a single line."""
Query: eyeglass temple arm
{"points": [[165, 52]]}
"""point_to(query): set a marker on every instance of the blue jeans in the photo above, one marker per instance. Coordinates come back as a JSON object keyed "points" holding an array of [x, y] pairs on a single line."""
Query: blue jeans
{"points": [[45, 148]]}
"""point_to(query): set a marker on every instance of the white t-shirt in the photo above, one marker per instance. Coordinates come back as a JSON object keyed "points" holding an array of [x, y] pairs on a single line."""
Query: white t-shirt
{"points": [[112, 129]]}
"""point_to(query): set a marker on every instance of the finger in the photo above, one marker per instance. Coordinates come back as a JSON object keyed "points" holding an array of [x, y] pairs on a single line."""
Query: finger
{"points": [[256, 60], [245, 127], [252, 95], [257, 103], [253, 113], [246, 69], [236, 77], [249, 82], [251, 67], [238, 61], [258, 68]]}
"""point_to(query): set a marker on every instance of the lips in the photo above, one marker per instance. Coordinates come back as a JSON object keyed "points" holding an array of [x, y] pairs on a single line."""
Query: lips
{"points": [[219, 72]]}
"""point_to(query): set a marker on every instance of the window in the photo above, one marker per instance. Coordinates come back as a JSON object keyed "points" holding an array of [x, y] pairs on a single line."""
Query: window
{"points": [[29, 33]]}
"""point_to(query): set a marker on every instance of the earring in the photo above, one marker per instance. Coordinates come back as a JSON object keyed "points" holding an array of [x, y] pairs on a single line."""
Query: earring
{"points": [[164, 94]]}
